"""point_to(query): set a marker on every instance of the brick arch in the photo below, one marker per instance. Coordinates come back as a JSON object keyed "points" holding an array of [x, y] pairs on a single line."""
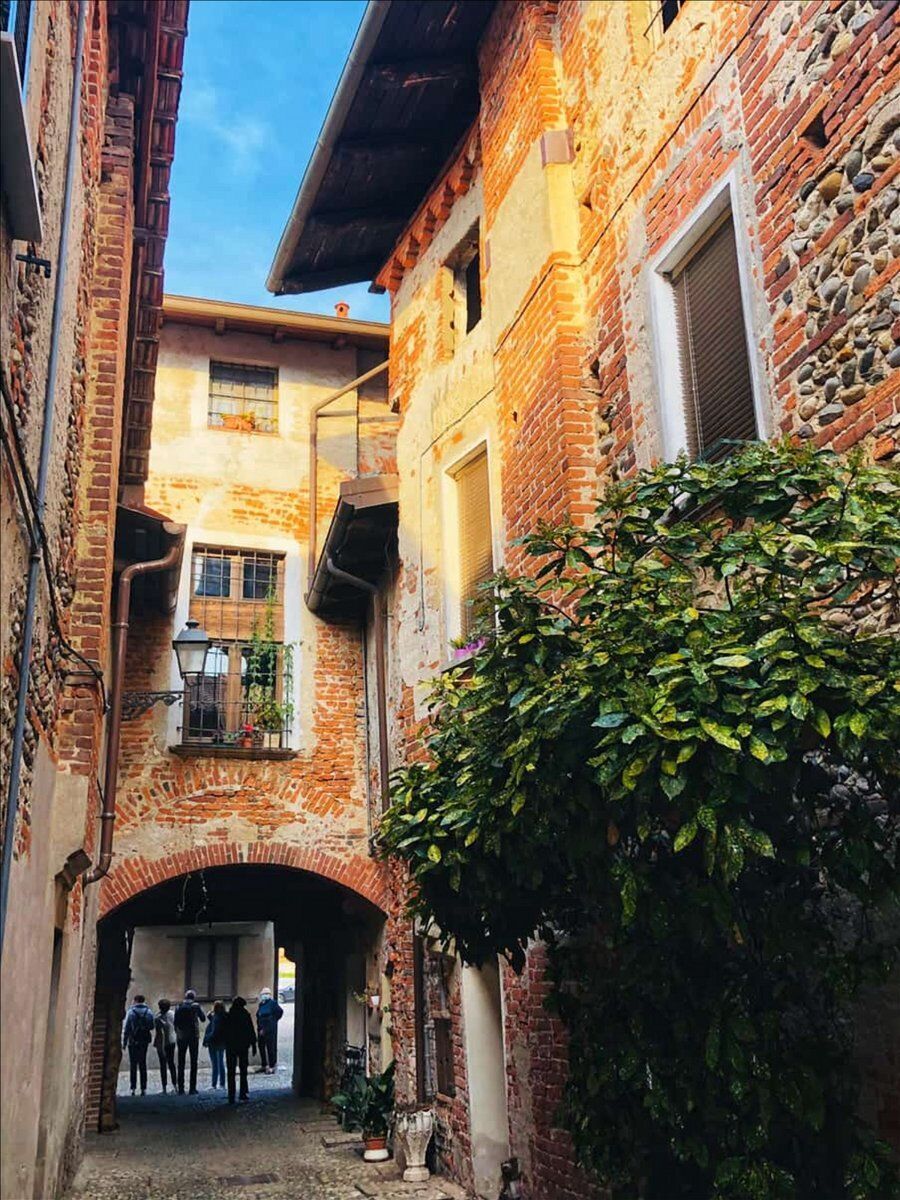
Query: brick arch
{"points": [[131, 876]]}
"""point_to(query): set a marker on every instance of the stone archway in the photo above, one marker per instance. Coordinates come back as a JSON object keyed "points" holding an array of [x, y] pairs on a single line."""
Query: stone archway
{"points": [[137, 885], [130, 876]]}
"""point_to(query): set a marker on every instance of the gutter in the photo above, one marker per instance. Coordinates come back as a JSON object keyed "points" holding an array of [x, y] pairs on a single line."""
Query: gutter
{"points": [[351, 76], [120, 647], [380, 687], [47, 424]]}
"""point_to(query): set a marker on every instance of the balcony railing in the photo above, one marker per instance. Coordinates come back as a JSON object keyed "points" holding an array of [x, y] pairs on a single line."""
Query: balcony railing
{"points": [[240, 702]]}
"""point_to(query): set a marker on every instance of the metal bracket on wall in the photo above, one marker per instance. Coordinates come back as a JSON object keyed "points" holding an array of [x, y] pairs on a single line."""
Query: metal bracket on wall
{"points": [[41, 264], [136, 703]]}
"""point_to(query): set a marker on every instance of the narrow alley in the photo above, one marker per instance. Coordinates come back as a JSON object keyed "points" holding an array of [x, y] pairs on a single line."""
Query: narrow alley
{"points": [[197, 1148]]}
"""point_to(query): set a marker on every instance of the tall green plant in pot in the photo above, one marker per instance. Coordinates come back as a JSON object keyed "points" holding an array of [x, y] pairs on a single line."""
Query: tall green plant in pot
{"points": [[269, 716], [367, 1104]]}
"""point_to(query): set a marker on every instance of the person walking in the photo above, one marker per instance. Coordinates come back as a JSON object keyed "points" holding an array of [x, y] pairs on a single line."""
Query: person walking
{"points": [[136, 1037], [214, 1041], [164, 1042], [240, 1038], [268, 1014], [188, 1018]]}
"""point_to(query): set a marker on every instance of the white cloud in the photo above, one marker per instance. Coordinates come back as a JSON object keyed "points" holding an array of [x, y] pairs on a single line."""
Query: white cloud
{"points": [[244, 137]]}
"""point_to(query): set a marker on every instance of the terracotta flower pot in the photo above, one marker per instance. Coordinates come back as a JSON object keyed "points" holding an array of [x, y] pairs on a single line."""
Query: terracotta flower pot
{"points": [[376, 1149]]}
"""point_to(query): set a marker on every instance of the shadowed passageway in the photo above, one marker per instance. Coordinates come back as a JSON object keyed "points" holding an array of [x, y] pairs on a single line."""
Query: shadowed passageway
{"points": [[197, 1148]]}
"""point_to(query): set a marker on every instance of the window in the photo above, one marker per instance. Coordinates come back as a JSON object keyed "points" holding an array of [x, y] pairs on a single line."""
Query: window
{"points": [[15, 19], [242, 700], [243, 397], [712, 341], [664, 13], [472, 274], [476, 553], [461, 285], [211, 967], [212, 575]]}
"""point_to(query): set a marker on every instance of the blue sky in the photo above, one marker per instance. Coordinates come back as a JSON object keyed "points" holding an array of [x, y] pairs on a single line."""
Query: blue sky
{"points": [[258, 79]]}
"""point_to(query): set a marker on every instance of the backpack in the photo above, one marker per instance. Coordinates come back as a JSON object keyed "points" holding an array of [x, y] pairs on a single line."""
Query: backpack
{"points": [[185, 1020], [143, 1027]]}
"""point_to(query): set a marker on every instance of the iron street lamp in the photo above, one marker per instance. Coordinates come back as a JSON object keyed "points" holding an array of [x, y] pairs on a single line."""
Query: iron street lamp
{"points": [[191, 647]]}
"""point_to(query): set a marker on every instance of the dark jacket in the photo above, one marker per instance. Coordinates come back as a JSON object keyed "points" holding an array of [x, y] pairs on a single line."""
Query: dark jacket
{"points": [[268, 1015], [239, 1031], [138, 1029], [215, 1031], [188, 1015]]}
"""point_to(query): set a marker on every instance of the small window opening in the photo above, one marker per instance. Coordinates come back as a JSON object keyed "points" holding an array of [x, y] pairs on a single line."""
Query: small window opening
{"points": [[463, 269], [473, 292], [715, 367], [669, 10]]}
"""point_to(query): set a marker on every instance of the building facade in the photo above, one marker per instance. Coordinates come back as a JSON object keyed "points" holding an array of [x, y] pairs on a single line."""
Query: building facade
{"points": [[90, 97], [245, 794], [621, 231]]}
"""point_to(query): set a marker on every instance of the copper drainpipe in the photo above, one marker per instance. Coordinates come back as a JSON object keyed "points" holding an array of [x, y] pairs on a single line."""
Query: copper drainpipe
{"points": [[380, 688], [314, 460], [113, 738]]}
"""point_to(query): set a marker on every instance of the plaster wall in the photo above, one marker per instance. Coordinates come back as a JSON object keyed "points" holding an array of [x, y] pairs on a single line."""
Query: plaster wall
{"points": [[159, 962]]}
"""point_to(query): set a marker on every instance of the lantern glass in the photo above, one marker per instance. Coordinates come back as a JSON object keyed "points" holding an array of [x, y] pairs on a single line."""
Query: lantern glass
{"points": [[191, 647]]}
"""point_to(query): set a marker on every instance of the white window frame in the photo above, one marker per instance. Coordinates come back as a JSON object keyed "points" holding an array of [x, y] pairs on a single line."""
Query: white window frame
{"points": [[478, 443], [724, 196]]}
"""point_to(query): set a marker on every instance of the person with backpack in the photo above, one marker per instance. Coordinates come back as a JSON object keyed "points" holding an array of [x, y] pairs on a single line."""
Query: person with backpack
{"points": [[268, 1014], [214, 1041], [188, 1018], [164, 1042], [240, 1038], [136, 1037]]}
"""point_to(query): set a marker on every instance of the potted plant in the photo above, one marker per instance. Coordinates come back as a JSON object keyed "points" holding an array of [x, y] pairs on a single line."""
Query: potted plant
{"points": [[246, 735], [367, 1104], [245, 421]]}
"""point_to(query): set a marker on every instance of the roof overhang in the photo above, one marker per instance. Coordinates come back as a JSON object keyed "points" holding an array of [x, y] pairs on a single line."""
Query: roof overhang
{"points": [[361, 540], [407, 94], [278, 324]]}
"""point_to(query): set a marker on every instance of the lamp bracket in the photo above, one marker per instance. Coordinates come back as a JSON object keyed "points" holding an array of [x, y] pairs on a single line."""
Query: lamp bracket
{"points": [[134, 704]]}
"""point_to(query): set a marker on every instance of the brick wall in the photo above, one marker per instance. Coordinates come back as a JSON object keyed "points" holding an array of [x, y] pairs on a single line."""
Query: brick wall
{"points": [[796, 105]]}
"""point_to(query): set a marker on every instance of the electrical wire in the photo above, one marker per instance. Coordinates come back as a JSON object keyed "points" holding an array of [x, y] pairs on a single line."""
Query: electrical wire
{"points": [[37, 534]]}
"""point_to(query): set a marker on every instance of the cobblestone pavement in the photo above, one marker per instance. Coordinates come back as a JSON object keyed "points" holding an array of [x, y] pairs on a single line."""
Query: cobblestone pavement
{"points": [[199, 1147]]}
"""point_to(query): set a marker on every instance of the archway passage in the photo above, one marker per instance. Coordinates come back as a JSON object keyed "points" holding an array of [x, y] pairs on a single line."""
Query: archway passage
{"points": [[218, 930]]}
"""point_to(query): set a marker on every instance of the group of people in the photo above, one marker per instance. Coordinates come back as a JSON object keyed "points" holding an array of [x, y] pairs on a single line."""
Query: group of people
{"points": [[230, 1038]]}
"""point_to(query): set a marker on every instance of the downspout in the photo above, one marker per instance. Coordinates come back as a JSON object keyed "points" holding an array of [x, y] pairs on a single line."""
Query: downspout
{"points": [[380, 689], [34, 562], [314, 459], [120, 646]]}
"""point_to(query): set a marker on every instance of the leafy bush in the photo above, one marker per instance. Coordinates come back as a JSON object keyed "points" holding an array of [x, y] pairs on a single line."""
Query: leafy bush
{"points": [[675, 760]]}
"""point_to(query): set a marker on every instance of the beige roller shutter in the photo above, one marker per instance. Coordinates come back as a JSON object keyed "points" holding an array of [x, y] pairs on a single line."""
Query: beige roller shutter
{"points": [[476, 554], [713, 342]]}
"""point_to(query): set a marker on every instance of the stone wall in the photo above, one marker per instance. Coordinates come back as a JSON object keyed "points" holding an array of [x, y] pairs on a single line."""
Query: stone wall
{"points": [[600, 135]]}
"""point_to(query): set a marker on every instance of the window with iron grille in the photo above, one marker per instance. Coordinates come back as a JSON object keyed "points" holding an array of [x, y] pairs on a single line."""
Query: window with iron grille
{"points": [[242, 699], [715, 366], [211, 967], [243, 397], [476, 551]]}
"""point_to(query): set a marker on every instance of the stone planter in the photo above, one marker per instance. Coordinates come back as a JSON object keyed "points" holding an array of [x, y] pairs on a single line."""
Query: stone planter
{"points": [[413, 1130]]}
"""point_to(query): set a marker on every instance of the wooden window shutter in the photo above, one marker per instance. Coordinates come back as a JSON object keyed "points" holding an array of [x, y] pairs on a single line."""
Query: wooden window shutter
{"points": [[476, 553], [718, 393]]}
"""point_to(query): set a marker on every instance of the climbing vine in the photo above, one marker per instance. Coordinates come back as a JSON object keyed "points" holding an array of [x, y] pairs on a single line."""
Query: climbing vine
{"points": [[674, 759]]}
